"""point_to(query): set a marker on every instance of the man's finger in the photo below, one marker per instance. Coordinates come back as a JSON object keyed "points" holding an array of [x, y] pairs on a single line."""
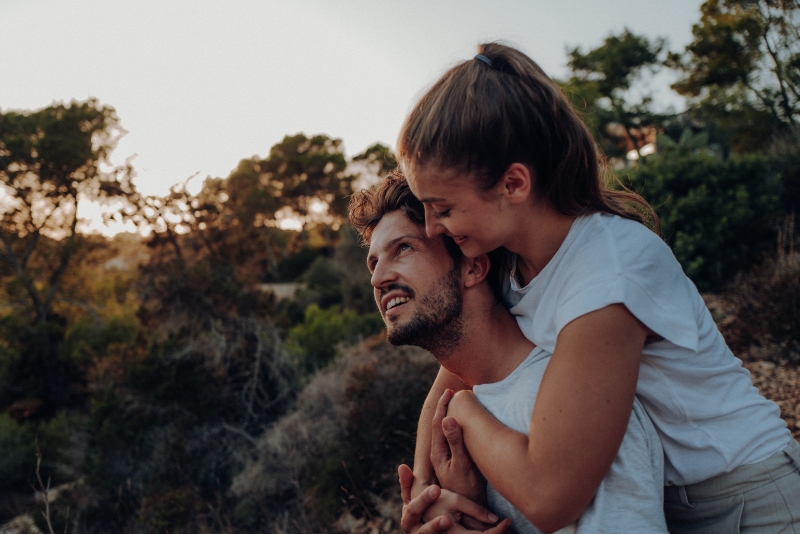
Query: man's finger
{"points": [[440, 450], [412, 512], [406, 480]]}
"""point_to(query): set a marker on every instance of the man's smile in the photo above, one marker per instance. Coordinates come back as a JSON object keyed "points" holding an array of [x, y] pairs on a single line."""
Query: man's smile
{"points": [[393, 297], [396, 302]]}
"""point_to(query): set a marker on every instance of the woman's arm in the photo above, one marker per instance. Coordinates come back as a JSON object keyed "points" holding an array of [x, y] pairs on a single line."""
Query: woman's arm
{"points": [[580, 417], [424, 475]]}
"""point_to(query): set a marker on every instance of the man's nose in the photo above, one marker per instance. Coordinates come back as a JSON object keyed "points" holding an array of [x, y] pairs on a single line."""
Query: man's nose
{"points": [[433, 226], [382, 274]]}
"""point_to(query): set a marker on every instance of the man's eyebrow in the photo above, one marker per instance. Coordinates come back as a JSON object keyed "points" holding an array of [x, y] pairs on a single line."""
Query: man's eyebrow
{"points": [[394, 241]]}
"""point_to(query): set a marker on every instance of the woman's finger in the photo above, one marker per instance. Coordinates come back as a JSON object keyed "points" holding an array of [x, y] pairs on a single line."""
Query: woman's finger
{"points": [[472, 509], [434, 526], [413, 511]]}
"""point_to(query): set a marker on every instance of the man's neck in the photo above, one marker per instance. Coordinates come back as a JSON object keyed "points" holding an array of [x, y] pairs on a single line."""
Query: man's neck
{"points": [[491, 347]]}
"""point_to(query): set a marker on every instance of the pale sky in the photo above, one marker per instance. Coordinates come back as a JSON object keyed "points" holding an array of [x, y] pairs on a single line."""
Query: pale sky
{"points": [[200, 85]]}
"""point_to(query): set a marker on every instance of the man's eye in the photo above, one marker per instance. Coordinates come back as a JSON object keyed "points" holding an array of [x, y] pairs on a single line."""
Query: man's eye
{"points": [[403, 247]]}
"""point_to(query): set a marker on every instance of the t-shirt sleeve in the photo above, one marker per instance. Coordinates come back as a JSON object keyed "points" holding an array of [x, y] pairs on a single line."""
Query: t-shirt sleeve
{"points": [[639, 271]]}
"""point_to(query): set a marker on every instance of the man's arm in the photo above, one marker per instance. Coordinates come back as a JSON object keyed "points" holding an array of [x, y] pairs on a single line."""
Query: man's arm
{"points": [[578, 423], [424, 474]]}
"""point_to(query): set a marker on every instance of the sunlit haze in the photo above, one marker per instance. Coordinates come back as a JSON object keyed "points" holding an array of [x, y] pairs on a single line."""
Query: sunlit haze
{"points": [[201, 85]]}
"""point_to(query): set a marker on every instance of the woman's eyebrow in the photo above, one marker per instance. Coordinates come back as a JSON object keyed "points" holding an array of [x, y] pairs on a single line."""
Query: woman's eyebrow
{"points": [[431, 199]]}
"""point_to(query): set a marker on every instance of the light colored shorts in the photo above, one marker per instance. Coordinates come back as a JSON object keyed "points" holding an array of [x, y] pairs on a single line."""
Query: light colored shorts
{"points": [[757, 498]]}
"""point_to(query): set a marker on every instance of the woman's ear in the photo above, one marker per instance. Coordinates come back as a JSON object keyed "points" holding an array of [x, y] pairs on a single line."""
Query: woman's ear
{"points": [[517, 183], [475, 270]]}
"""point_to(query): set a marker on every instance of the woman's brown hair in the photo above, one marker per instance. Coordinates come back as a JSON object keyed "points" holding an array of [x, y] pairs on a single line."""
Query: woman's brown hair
{"points": [[501, 108]]}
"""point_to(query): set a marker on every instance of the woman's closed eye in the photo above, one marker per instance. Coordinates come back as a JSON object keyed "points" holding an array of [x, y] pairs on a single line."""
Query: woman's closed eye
{"points": [[441, 214]]}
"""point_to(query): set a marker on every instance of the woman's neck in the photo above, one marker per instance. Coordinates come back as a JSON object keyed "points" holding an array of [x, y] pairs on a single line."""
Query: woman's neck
{"points": [[542, 232]]}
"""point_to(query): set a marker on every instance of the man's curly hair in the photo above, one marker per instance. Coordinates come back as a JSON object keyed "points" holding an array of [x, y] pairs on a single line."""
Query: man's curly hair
{"points": [[369, 206]]}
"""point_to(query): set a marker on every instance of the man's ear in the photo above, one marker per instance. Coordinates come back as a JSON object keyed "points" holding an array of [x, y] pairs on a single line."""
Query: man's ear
{"points": [[475, 270], [517, 183]]}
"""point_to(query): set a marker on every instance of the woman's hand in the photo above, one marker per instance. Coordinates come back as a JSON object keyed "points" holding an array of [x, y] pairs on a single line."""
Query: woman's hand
{"points": [[451, 461], [435, 510]]}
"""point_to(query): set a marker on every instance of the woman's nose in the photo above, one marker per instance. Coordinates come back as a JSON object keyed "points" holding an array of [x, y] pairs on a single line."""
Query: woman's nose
{"points": [[433, 226]]}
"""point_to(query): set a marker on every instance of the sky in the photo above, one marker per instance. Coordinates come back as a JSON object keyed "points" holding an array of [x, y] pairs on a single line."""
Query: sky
{"points": [[200, 85]]}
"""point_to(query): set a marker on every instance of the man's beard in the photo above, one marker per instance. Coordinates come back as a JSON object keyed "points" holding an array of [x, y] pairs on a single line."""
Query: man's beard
{"points": [[436, 326]]}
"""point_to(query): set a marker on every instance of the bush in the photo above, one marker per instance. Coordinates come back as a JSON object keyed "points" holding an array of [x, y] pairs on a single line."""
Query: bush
{"points": [[314, 340], [766, 304], [18, 451], [718, 216], [170, 427], [336, 452]]}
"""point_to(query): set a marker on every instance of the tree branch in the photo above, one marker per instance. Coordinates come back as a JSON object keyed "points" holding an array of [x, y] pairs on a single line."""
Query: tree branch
{"points": [[66, 255], [779, 74]]}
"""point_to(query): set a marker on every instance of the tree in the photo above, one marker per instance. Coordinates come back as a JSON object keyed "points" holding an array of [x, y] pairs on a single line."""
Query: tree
{"points": [[372, 165], [743, 70], [600, 86], [302, 169], [51, 160]]}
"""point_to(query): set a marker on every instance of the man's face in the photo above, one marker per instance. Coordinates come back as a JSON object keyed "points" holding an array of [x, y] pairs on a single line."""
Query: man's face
{"points": [[417, 287]]}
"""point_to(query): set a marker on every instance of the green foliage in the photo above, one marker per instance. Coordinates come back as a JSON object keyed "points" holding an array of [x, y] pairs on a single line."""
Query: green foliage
{"points": [[169, 426], [314, 340], [293, 266], [298, 170], [718, 216], [18, 450], [784, 155], [351, 257], [90, 339]]}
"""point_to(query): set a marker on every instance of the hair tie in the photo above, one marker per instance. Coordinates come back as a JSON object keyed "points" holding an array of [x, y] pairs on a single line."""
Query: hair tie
{"points": [[481, 57]]}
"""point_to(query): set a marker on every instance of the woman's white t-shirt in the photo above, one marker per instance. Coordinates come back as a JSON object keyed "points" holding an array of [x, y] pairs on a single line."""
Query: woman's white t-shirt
{"points": [[709, 416], [630, 497]]}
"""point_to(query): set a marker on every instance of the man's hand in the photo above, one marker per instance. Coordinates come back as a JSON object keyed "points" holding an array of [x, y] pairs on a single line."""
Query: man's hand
{"points": [[451, 460], [442, 510]]}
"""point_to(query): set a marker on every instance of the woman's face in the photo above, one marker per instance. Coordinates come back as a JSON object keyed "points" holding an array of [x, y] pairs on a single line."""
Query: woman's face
{"points": [[476, 220]]}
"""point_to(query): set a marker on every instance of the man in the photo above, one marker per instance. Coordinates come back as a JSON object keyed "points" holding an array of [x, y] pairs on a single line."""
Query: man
{"points": [[431, 296]]}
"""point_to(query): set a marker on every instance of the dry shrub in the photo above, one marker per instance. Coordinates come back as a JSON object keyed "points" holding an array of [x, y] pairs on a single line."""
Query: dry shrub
{"points": [[766, 304], [332, 459], [779, 383]]}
